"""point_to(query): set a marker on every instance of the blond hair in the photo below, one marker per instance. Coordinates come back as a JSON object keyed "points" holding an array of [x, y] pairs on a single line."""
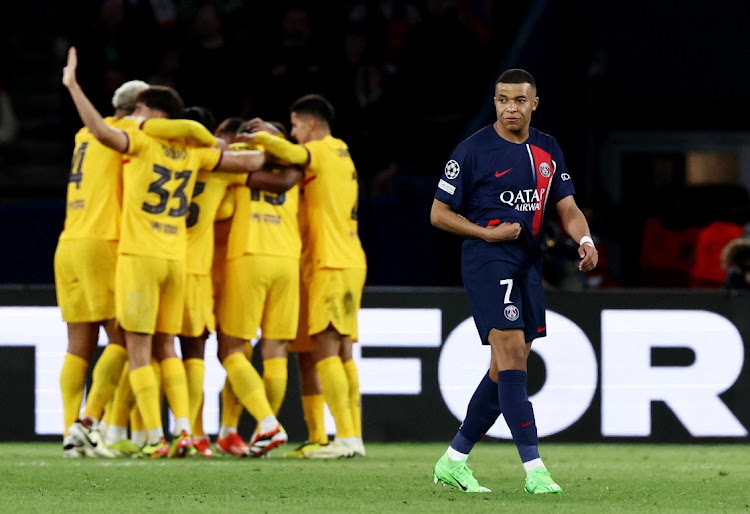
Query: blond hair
{"points": [[125, 95]]}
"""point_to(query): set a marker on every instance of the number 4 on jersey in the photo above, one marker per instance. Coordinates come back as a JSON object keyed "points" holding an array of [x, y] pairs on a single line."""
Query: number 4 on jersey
{"points": [[76, 175]]}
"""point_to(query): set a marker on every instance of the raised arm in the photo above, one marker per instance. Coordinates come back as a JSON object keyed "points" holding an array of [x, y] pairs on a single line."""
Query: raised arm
{"points": [[278, 147], [108, 136], [445, 218], [178, 129], [577, 227]]}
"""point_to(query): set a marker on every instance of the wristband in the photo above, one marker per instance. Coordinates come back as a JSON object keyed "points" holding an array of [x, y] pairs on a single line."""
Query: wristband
{"points": [[586, 240]]}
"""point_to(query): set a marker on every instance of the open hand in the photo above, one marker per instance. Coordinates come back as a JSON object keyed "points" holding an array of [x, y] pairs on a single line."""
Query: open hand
{"points": [[69, 71], [258, 124]]}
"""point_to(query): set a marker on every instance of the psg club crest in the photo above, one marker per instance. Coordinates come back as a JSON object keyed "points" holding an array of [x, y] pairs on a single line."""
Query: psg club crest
{"points": [[545, 170], [511, 312], [452, 169]]}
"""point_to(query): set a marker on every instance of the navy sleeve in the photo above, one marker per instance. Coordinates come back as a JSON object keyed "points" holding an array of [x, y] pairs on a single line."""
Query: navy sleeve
{"points": [[455, 183], [561, 185]]}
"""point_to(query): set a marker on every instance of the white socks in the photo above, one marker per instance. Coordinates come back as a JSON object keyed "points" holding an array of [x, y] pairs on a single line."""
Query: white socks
{"points": [[456, 455]]}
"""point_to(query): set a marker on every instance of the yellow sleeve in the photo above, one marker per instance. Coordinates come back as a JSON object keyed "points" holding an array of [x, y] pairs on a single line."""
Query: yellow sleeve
{"points": [[281, 148], [242, 146], [174, 129]]}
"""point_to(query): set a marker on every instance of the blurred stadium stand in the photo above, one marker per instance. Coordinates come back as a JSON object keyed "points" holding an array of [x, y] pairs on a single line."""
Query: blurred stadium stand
{"points": [[628, 97]]}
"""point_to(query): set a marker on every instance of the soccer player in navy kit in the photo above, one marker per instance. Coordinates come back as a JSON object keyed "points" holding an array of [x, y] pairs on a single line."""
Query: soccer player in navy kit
{"points": [[495, 190]]}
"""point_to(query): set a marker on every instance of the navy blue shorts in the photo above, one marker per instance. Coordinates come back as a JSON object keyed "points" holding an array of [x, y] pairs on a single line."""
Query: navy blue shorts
{"points": [[505, 288]]}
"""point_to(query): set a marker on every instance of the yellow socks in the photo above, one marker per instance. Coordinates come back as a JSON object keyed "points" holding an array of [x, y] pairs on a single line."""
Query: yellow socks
{"points": [[335, 387], [313, 408], [72, 382], [247, 385], [195, 369], [275, 378], [355, 400], [146, 392], [231, 406], [174, 383], [122, 402], [106, 376]]}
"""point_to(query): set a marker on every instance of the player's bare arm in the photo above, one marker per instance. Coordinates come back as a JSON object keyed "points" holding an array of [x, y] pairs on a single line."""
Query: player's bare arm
{"points": [[242, 162], [108, 136], [577, 227], [275, 182], [444, 218]]}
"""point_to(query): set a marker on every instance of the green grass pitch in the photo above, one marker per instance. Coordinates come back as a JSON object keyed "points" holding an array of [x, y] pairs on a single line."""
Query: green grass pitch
{"points": [[393, 477]]}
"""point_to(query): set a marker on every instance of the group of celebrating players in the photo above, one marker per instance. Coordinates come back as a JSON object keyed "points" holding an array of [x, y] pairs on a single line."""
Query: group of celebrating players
{"points": [[171, 230]]}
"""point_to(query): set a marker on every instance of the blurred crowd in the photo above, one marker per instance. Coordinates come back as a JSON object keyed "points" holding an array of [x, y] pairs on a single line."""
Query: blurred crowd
{"points": [[401, 74]]}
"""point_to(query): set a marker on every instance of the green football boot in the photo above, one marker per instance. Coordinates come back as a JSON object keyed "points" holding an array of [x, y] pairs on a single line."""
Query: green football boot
{"points": [[125, 448], [539, 481], [456, 474]]}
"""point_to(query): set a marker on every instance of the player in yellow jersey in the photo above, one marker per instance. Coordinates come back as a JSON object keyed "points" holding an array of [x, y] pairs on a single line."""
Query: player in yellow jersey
{"points": [[261, 291], [311, 392], [262, 277], [158, 182], [338, 261], [198, 316], [84, 263], [228, 440]]}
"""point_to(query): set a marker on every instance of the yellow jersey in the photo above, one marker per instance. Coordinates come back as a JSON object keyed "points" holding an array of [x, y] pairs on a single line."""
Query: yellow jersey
{"points": [[94, 198], [158, 183], [208, 196], [331, 202], [264, 223]]}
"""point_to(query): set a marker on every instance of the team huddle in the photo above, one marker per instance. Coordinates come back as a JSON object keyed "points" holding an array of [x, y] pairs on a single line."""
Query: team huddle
{"points": [[172, 230]]}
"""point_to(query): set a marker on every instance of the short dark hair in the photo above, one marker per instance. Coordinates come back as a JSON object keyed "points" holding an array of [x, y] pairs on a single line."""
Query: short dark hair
{"points": [[230, 125], [245, 126], [315, 106], [162, 98], [202, 115], [516, 76], [281, 128]]}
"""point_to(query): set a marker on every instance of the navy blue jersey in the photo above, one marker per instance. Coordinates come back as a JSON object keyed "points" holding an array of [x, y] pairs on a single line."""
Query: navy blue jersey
{"points": [[489, 180]]}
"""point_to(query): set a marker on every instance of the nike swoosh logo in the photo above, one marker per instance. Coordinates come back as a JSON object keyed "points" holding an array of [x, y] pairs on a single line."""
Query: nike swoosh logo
{"points": [[498, 174], [524, 425], [462, 486], [540, 330]]}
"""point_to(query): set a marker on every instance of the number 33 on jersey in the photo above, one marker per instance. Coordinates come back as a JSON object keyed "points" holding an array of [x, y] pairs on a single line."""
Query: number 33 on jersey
{"points": [[158, 181]]}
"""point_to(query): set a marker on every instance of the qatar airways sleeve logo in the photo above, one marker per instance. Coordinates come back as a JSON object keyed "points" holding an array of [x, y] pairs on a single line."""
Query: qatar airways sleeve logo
{"points": [[525, 200]]}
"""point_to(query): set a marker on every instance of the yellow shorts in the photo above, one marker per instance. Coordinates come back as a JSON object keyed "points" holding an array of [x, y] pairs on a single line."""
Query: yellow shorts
{"points": [[260, 291], [149, 294], [218, 268], [85, 279], [198, 314], [334, 300]]}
